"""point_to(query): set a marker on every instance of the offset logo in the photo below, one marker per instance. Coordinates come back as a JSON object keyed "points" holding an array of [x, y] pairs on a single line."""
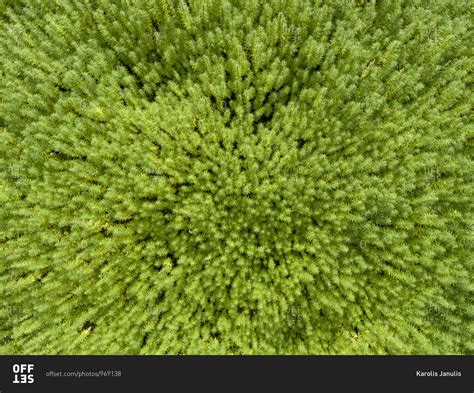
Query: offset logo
{"points": [[23, 373]]}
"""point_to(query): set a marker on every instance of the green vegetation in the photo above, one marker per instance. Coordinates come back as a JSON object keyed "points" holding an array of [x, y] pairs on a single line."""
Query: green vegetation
{"points": [[236, 176]]}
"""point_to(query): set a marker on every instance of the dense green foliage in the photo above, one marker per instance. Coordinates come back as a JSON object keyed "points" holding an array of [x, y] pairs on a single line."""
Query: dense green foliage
{"points": [[236, 176]]}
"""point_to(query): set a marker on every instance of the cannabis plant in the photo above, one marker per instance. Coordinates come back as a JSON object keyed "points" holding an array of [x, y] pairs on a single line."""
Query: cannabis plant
{"points": [[236, 177]]}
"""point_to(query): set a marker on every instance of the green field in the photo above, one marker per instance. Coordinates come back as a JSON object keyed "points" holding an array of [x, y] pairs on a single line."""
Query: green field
{"points": [[236, 177]]}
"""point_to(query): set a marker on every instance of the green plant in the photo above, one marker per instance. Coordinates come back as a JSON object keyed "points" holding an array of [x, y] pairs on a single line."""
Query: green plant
{"points": [[236, 177]]}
